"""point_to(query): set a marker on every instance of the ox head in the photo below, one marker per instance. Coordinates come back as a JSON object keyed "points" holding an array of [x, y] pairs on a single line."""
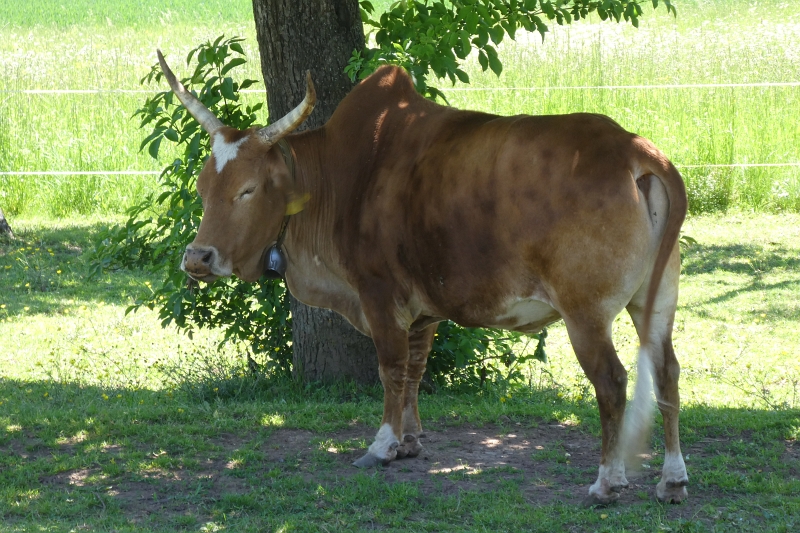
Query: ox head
{"points": [[246, 189]]}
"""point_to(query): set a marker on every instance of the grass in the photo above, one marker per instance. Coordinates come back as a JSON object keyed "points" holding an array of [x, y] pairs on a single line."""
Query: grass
{"points": [[109, 422], [53, 45], [63, 15]]}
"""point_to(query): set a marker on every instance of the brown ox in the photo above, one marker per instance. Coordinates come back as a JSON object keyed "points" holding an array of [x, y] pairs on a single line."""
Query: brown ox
{"points": [[418, 213]]}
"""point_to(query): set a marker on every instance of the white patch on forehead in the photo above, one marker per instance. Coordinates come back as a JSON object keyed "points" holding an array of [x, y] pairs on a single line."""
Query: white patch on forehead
{"points": [[224, 151]]}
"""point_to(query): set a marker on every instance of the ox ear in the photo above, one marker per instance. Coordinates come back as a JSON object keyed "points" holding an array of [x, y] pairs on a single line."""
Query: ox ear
{"points": [[277, 130], [283, 180], [296, 202]]}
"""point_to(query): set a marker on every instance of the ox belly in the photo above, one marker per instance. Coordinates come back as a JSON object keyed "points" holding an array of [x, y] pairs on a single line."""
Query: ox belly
{"points": [[528, 315]]}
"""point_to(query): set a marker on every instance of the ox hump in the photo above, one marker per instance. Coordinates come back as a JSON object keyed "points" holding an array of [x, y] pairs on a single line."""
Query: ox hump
{"points": [[225, 151]]}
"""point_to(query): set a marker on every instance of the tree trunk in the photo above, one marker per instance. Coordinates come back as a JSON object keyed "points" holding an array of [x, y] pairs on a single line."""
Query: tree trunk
{"points": [[316, 35], [5, 229]]}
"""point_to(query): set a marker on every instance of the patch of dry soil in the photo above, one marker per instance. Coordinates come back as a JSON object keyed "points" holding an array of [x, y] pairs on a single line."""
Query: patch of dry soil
{"points": [[552, 462]]}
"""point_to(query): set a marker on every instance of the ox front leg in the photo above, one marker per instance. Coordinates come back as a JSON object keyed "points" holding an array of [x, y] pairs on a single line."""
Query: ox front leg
{"points": [[598, 358], [391, 344], [419, 346]]}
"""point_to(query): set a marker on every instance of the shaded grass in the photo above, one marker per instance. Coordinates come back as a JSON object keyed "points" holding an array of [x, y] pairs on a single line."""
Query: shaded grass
{"points": [[72, 456], [95, 430]]}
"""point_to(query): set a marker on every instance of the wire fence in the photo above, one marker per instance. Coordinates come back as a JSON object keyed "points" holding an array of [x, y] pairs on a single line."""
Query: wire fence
{"points": [[450, 89], [39, 173], [463, 89]]}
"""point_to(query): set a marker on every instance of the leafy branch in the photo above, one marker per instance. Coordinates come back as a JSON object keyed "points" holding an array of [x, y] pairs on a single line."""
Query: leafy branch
{"points": [[438, 35], [159, 227]]}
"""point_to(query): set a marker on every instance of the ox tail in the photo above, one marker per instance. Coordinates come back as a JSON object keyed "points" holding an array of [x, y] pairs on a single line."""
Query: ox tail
{"points": [[639, 413]]}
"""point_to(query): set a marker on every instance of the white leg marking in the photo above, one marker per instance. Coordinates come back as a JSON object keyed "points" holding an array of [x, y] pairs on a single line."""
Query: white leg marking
{"points": [[672, 487], [224, 151], [597, 486], [617, 474], [674, 467], [385, 443], [613, 476]]}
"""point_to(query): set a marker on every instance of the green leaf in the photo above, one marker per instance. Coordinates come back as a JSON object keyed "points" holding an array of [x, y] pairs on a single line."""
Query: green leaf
{"points": [[466, 45], [471, 21], [539, 354], [482, 38], [157, 132], [236, 47], [367, 6], [547, 8], [510, 28], [497, 33], [226, 88], [233, 63], [462, 76], [483, 60], [154, 146], [495, 64]]}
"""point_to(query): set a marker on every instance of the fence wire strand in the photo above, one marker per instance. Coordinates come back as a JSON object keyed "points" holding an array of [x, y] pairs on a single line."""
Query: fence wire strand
{"points": [[450, 89]]}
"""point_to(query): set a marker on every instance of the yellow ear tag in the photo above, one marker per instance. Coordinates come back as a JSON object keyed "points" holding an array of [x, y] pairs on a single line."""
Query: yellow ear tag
{"points": [[297, 204]]}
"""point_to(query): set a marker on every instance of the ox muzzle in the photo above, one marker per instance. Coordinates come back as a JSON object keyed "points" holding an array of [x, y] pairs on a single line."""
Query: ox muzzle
{"points": [[203, 263]]}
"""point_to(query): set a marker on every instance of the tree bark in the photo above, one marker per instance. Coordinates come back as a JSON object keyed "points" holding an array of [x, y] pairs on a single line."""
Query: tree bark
{"points": [[5, 229], [316, 35]]}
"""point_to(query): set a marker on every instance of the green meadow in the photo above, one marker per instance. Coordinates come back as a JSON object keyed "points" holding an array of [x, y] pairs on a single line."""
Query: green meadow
{"points": [[108, 47], [110, 423]]}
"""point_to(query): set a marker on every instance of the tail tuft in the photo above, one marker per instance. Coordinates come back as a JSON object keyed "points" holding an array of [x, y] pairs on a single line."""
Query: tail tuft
{"points": [[639, 412]]}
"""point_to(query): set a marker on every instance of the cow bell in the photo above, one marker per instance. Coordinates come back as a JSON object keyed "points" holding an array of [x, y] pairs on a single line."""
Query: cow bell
{"points": [[275, 265]]}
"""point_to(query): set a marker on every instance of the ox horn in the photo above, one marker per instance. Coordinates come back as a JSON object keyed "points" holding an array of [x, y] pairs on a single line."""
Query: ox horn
{"points": [[200, 112], [275, 131]]}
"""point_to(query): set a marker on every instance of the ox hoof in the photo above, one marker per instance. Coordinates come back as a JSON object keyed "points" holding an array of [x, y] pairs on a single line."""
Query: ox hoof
{"points": [[593, 500], [619, 485], [410, 447], [672, 491], [369, 461], [601, 494]]}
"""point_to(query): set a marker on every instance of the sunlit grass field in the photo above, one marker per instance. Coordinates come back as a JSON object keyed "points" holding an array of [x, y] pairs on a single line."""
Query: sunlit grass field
{"points": [[103, 46]]}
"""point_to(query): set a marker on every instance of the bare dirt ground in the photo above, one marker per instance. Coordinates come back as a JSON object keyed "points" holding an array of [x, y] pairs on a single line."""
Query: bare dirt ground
{"points": [[553, 462]]}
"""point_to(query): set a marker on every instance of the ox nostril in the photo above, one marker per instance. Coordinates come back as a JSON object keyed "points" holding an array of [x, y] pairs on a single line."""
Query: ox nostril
{"points": [[206, 259]]}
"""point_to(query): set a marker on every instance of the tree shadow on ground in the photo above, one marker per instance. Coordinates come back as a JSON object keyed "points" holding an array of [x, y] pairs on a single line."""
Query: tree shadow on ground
{"points": [[748, 259], [759, 264], [48, 268]]}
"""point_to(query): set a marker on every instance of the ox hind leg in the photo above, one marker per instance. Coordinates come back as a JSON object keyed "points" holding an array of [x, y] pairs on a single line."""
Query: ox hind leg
{"points": [[596, 354], [674, 479], [419, 346]]}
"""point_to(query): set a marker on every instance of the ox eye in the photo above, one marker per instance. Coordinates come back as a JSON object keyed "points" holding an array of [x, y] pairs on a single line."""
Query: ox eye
{"points": [[247, 192]]}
